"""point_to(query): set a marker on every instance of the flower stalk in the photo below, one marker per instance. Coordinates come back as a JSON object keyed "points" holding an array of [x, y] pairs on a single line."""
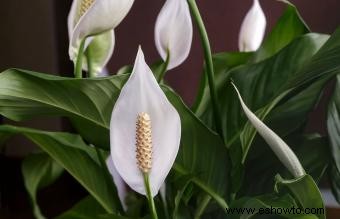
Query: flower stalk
{"points": [[209, 64], [144, 155], [78, 70], [90, 72], [164, 67], [151, 202]]}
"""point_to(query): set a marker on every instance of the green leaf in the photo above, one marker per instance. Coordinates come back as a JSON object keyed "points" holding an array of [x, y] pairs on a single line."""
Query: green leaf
{"points": [[202, 153], [88, 102], [305, 192], [223, 62], [292, 113], [333, 127], [289, 26], [334, 176], [39, 171], [333, 123], [288, 116], [86, 208], [297, 193], [70, 152], [184, 183], [324, 64], [312, 151], [261, 205], [314, 155], [264, 86], [262, 83]]}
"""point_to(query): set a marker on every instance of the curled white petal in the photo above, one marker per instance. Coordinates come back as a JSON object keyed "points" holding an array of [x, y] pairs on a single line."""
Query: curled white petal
{"points": [[141, 93], [120, 184], [279, 147], [173, 32], [252, 29], [72, 18], [101, 16]]}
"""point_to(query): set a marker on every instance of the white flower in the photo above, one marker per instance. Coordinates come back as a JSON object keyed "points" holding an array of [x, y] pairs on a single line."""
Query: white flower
{"points": [[279, 147], [252, 29], [141, 97], [120, 184], [173, 32], [96, 18]]}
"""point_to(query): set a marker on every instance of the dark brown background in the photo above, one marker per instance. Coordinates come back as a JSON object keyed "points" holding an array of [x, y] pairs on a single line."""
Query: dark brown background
{"points": [[33, 36]]}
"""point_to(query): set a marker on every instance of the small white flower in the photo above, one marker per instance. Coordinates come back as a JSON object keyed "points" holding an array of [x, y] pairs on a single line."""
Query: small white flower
{"points": [[252, 29], [152, 144], [279, 147], [95, 20], [173, 32]]}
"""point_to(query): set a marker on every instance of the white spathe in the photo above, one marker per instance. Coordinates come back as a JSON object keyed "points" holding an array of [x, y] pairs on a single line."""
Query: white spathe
{"points": [[252, 29], [118, 181], [98, 20], [279, 147], [141, 93], [173, 32]]}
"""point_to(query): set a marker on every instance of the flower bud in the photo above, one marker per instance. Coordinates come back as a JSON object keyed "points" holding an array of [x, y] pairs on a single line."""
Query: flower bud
{"points": [[252, 29], [173, 32]]}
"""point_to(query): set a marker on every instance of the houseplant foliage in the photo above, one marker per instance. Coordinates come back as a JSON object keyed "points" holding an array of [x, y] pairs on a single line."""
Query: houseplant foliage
{"points": [[221, 162]]}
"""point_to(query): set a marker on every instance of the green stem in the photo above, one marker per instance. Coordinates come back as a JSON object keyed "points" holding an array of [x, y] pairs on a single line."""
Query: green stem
{"points": [[78, 69], [151, 202], [90, 72], [203, 205], [209, 64], [164, 67]]}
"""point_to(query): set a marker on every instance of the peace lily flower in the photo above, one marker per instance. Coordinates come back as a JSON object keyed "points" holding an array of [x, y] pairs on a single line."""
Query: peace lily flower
{"points": [[173, 32], [145, 131], [252, 29], [94, 20], [279, 147]]}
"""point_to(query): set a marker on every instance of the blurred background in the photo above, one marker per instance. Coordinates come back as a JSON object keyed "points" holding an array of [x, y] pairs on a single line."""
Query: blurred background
{"points": [[33, 35]]}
